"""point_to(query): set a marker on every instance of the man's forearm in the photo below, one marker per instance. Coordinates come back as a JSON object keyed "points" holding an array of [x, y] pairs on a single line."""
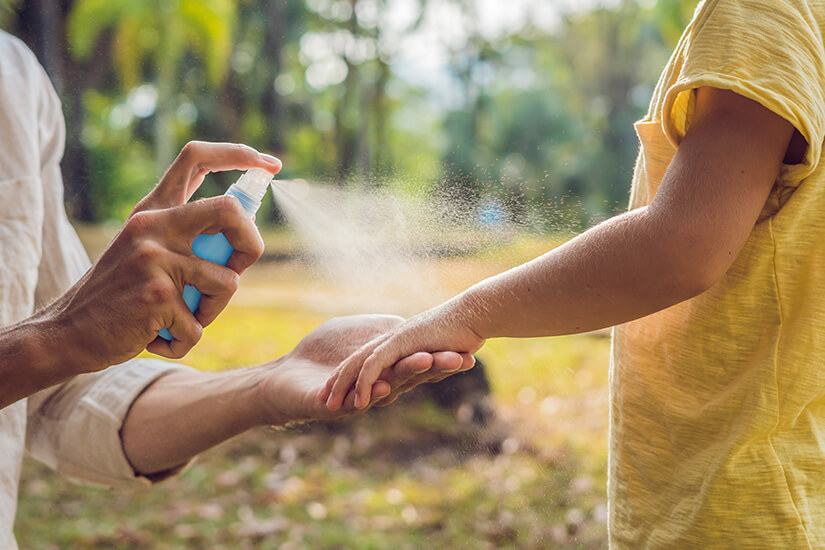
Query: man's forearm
{"points": [[34, 354], [185, 413]]}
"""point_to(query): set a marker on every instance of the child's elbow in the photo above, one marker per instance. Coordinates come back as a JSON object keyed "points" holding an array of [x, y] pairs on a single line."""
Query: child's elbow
{"points": [[697, 275], [700, 282]]}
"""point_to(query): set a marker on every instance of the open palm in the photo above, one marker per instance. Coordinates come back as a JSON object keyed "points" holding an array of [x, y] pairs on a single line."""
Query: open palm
{"points": [[293, 382]]}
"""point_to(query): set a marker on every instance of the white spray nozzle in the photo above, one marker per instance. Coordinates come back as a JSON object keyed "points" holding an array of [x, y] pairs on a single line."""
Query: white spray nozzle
{"points": [[254, 183]]}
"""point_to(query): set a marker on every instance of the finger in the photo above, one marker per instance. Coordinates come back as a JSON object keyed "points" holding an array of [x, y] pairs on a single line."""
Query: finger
{"points": [[398, 391], [404, 378], [199, 158], [411, 372], [326, 391], [380, 391], [216, 283], [384, 356], [447, 361], [366, 379], [468, 361], [218, 214], [347, 372], [416, 368], [323, 395], [358, 327], [445, 364], [242, 259], [186, 331], [345, 377], [413, 365], [466, 364], [390, 399]]}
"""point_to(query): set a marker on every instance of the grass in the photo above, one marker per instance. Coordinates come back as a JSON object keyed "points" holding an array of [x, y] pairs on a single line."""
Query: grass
{"points": [[409, 476]]}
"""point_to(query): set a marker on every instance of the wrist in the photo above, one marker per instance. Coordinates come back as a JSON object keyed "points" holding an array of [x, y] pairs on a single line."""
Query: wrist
{"points": [[468, 311], [63, 340], [266, 395], [32, 359]]}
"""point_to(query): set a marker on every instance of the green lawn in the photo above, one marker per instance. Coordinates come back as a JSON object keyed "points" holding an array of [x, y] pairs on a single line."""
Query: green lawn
{"points": [[409, 476]]}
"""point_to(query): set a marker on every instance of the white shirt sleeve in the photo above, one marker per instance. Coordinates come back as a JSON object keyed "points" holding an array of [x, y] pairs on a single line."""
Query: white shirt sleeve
{"points": [[73, 427]]}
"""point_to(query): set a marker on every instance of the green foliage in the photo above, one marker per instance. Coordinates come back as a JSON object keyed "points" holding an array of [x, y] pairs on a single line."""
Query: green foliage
{"points": [[156, 35], [154, 31], [537, 117], [121, 169], [671, 16]]}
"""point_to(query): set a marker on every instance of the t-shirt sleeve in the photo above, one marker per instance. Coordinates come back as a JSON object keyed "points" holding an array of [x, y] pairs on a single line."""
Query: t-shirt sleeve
{"points": [[770, 51]]}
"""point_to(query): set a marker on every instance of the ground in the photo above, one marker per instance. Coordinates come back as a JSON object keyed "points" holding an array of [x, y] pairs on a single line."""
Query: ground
{"points": [[409, 476]]}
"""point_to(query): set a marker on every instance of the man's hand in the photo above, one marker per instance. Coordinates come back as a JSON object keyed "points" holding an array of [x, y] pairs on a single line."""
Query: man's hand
{"points": [[134, 289], [184, 413], [292, 385], [357, 381]]}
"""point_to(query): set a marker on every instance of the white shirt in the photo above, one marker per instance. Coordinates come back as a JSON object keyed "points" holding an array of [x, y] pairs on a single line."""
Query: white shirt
{"points": [[73, 427]]}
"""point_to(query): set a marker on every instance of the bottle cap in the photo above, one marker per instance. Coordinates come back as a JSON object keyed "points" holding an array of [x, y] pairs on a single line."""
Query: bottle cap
{"points": [[254, 183]]}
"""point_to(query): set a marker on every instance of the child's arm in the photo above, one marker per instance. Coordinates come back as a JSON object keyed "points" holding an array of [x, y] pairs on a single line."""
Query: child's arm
{"points": [[625, 268]]}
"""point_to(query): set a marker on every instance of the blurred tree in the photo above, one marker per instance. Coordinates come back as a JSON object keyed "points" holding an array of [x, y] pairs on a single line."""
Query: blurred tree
{"points": [[609, 51], [532, 115], [671, 17], [347, 55], [42, 26], [160, 32]]}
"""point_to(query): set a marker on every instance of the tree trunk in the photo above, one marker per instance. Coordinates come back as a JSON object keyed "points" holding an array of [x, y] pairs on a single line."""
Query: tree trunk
{"points": [[346, 135], [273, 43], [382, 155], [345, 139], [41, 25], [164, 123], [271, 101]]}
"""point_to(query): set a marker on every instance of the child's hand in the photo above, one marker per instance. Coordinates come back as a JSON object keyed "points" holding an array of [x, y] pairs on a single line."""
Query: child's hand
{"points": [[439, 329]]}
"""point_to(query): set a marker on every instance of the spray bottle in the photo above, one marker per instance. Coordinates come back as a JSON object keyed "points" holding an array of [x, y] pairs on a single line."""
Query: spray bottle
{"points": [[249, 189]]}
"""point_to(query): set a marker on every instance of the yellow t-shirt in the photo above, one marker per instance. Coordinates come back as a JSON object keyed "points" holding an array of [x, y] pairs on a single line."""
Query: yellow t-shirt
{"points": [[717, 429]]}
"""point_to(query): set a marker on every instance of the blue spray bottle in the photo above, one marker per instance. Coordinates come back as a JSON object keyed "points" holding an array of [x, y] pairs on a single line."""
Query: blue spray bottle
{"points": [[249, 189]]}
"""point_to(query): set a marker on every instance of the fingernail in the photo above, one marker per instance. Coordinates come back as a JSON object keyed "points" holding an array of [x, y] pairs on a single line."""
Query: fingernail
{"points": [[270, 158]]}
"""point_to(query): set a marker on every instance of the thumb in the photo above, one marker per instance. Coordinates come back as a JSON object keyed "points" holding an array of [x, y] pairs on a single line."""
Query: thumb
{"points": [[194, 162]]}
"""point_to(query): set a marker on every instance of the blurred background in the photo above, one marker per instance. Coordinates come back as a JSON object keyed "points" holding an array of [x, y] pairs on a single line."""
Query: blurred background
{"points": [[523, 108]]}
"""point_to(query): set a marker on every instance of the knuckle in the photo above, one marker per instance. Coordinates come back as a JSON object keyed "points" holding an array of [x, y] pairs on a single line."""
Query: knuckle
{"points": [[244, 150], [258, 249], [141, 206], [156, 291], [138, 223], [231, 281], [179, 351], [195, 333], [229, 208], [147, 252], [369, 364], [191, 149], [374, 362]]}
